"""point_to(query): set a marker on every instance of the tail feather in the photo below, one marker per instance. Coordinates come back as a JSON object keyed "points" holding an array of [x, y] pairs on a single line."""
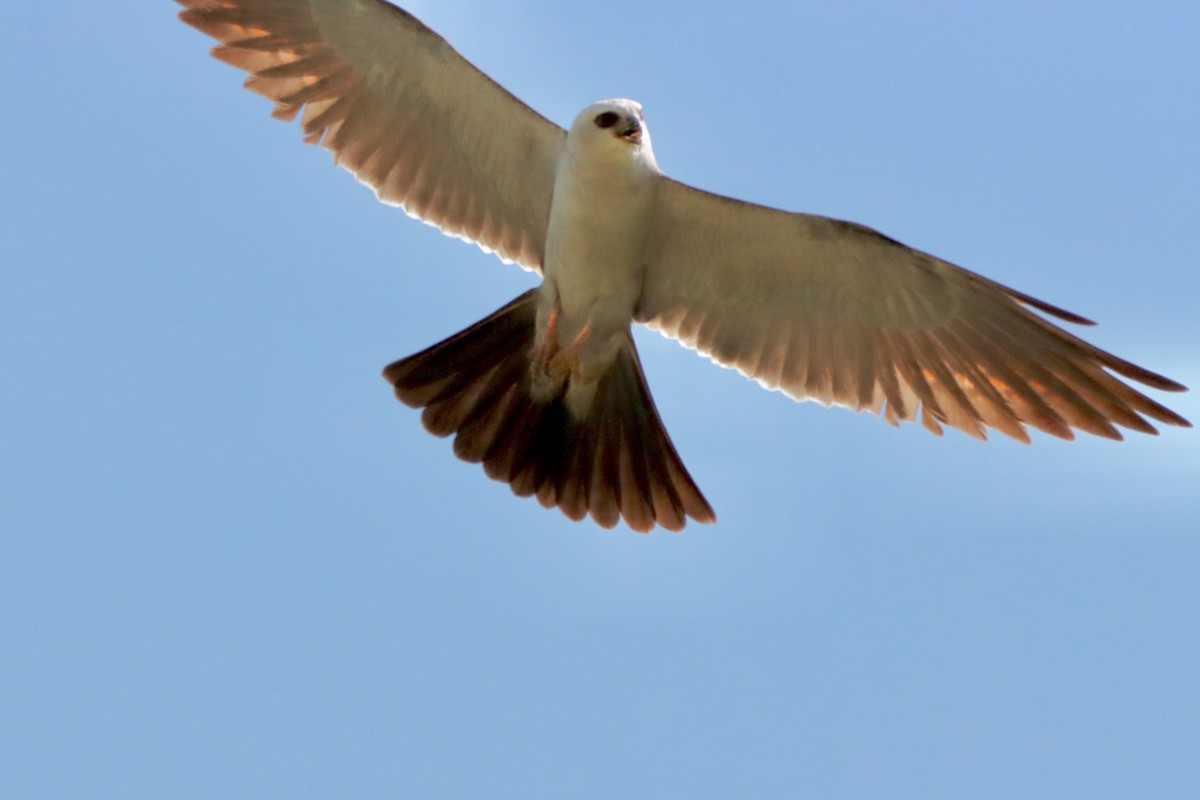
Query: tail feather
{"points": [[616, 462]]}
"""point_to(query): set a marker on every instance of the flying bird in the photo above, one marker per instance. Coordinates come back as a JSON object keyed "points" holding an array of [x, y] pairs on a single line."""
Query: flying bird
{"points": [[548, 392]]}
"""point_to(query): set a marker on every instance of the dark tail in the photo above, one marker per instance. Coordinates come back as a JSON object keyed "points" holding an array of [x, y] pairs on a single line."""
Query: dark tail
{"points": [[615, 462]]}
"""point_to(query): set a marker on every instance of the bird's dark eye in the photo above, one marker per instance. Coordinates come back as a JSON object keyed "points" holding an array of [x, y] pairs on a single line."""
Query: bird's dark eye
{"points": [[607, 119]]}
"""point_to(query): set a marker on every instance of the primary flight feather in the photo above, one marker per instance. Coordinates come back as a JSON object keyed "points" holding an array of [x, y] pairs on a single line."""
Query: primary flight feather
{"points": [[548, 392]]}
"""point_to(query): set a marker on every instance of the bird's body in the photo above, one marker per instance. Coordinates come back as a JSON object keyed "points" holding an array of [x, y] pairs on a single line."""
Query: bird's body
{"points": [[595, 260], [548, 392]]}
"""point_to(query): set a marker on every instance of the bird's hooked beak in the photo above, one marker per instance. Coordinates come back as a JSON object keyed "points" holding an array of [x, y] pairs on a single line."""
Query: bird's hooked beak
{"points": [[631, 131]]}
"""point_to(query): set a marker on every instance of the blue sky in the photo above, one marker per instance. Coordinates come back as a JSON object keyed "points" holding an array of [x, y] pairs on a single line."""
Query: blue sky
{"points": [[234, 566]]}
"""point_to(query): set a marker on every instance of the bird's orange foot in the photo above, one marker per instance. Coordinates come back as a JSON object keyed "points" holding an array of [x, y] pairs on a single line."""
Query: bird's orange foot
{"points": [[552, 366], [566, 360]]}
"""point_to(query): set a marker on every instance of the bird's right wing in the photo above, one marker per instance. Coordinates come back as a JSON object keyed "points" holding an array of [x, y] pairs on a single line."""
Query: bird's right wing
{"points": [[400, 109]]}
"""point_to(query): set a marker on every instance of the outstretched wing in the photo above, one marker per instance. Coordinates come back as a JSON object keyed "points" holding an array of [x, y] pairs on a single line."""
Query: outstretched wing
{"points": [[835, 312], [400, 109]]}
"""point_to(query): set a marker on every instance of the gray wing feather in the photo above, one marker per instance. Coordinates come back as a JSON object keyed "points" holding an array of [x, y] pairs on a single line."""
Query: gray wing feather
{"points": [[835, 312], [402, 110]]}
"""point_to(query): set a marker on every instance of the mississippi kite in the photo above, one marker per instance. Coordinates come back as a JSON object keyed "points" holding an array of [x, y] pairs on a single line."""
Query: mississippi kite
{"points": [[548, 392]]}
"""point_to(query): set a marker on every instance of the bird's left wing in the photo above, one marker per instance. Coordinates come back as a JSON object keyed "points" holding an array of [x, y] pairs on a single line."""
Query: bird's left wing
{"points": [[400, 109], [838, 313]]}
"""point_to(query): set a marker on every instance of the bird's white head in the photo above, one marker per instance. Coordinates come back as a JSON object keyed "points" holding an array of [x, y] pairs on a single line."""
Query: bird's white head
{"points": [[614, 126]]}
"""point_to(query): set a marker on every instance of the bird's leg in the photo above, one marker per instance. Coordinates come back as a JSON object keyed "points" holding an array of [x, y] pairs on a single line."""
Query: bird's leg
{"points": [[545, 384], [546, 346]]}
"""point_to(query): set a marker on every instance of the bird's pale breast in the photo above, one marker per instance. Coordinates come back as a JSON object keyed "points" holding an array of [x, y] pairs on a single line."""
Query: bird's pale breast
{"points": [[594, 249]]}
